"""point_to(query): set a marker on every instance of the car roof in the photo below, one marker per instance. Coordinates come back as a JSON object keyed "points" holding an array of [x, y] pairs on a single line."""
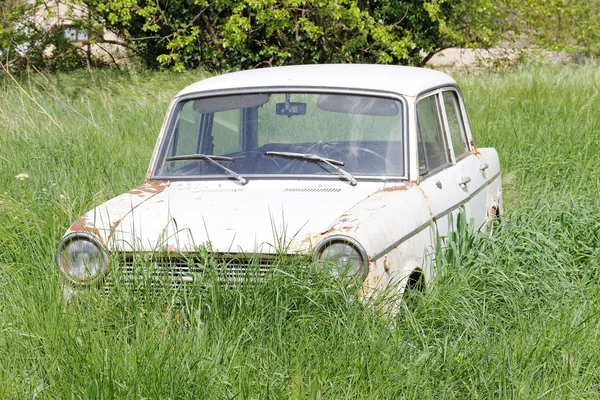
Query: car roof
{"points": [[407, 81]]}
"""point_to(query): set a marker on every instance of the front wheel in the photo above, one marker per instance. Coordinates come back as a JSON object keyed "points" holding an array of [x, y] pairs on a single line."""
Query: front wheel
{"points": [[415, 287]]}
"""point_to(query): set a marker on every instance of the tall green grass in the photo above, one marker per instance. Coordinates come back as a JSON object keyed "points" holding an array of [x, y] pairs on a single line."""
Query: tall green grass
{"points": [[512, 315]]}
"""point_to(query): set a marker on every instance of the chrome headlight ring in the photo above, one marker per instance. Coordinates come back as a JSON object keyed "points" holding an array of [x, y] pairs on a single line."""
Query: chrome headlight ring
{"points": [[347, 253], [82, 258]]}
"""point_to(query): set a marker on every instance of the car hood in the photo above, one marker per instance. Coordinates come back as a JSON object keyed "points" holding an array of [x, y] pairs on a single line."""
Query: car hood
{"points": [[262, 216]]}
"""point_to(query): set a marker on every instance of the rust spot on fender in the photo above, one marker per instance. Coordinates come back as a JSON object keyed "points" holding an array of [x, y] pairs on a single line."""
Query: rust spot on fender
{"points": [[398, 188], [339, 228], [493, 212], [370, 282], [426, 202], [387, 266], [327, 231], [473, 147], [150, 187], [145, 191], [83, 225], [114, 225]]}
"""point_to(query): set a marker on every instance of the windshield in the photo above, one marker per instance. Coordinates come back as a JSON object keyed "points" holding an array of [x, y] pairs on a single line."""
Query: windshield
{"points": [[247, 134]]}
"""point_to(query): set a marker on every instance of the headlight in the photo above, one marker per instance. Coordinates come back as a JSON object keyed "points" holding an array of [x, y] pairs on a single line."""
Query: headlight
{"points": [[81, 258], [347, 254]]}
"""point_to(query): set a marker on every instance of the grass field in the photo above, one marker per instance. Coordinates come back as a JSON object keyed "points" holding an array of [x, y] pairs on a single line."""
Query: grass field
{"points": [[517, 316]]}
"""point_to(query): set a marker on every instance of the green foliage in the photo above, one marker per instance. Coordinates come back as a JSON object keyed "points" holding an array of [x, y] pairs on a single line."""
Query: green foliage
{"points": [[245, 34], [562, 24], [250, 33], [226, 34], [25, 43]]}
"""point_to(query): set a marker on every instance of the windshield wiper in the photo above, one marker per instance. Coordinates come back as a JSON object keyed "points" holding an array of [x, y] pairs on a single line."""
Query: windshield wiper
{"points": [[313, 157], [213, 161]]}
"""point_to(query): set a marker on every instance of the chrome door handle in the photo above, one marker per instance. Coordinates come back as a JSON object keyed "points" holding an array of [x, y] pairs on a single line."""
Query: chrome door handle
{"points": [[483, 167], [464, 180]]}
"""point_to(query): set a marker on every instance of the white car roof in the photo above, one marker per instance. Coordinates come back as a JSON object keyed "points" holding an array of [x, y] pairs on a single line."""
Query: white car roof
{"points": [[408, 81]]}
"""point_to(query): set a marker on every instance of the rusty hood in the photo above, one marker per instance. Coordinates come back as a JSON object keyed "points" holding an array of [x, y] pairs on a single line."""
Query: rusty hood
{"points": [[262, 216]]}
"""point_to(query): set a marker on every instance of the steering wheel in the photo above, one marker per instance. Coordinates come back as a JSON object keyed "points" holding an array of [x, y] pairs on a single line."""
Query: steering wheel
{"points": [[353, 153], [376, 156]]}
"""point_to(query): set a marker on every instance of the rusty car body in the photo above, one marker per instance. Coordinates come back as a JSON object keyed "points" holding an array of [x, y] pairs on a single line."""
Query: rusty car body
{"points": [[360, 165]]}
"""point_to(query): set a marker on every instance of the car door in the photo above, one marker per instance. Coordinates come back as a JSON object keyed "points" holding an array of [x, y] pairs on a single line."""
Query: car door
{"points": [[441, 181], [469, 168]]}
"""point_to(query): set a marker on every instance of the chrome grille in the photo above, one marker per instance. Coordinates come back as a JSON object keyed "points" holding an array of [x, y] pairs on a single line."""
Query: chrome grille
{"points": [[176, 271]]}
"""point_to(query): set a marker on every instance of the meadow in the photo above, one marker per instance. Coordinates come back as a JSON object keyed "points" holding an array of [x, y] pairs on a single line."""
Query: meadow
{"points": [[514, 314]]}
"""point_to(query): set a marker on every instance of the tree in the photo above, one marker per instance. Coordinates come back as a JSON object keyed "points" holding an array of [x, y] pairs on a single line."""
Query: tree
{"points": [[225, 34], [11, 40], [251, 33], [558, 25]]}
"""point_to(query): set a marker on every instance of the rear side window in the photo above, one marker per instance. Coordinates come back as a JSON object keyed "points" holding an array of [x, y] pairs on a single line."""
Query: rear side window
{"points": [[455, 124], [434, 152]]}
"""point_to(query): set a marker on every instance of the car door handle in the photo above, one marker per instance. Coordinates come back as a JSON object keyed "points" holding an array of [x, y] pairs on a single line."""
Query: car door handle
{"points": [[464, 180], [483, 167]]}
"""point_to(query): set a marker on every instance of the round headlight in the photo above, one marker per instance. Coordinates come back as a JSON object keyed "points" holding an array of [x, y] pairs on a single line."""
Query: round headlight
{"points": [[81, 258], [347, 255]]}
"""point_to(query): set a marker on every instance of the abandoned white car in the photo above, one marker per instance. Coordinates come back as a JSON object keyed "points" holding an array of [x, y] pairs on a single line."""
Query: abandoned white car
{"points": [[359, 165]]}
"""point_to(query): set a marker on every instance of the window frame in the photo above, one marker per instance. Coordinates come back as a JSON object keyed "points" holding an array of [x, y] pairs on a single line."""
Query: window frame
{"points": [[460, 114], [78, 31], [441, 123], [438, 93], [162, 145]]}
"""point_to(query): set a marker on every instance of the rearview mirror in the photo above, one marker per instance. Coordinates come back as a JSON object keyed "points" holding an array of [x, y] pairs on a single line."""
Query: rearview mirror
{"points": [[290, 108]]}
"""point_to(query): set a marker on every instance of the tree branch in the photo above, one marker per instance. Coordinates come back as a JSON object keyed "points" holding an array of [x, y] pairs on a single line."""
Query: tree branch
{"points": [[430, 55], [109, 54]]}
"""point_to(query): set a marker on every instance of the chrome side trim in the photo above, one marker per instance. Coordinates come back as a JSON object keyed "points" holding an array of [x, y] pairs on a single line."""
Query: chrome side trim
{"points": [[467, 199], [399, 241], [432, 220]]}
